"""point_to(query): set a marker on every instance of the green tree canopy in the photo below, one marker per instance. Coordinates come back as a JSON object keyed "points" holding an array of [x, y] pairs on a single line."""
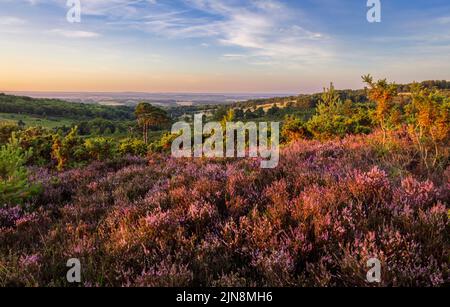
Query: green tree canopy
{"points": [[150, 116]]}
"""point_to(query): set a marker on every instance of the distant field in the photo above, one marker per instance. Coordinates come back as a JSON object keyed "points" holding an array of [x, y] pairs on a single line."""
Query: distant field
{"points": [[35, 121]]}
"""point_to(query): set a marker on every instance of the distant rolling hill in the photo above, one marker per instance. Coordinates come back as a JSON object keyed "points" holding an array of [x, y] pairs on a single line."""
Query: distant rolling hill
{"points": [[164, 99]]}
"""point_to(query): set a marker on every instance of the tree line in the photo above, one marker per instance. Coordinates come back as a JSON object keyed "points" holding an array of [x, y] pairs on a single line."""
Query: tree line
{"points": [[60, 108]]}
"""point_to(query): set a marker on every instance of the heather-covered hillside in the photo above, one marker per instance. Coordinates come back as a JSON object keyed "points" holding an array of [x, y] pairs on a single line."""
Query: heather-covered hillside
{"points": [[313, 221]]}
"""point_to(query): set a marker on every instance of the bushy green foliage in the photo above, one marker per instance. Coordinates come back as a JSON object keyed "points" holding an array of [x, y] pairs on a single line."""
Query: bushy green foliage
{"points": [[40, 140], [100, 148], [164, 144], [293, 129], [219, 113], [429, 84], [257, 113], [149, 116], [130, 146], [6, 131], [249, 115], [383, 93], [428, 119], [239, 114], [67, 149], [14, 185], [100, 126], [336, 118], [274, 110]]}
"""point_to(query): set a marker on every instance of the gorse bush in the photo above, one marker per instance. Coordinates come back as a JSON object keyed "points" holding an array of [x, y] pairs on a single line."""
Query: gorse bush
{"points": [[14, 185], [6, 131], [67, 149], [293, 129], [40, 141], [428, 118], [164, 144], [382, 93], [100, 148], [133, 147]]}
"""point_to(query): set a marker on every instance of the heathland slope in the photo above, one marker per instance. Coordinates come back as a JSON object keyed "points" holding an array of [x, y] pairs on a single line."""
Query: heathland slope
{"points": [[313, 221]]}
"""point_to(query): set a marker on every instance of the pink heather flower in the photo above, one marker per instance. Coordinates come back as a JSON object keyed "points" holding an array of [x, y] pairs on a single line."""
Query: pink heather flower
{"points": [[30, 260], [417, 193]]}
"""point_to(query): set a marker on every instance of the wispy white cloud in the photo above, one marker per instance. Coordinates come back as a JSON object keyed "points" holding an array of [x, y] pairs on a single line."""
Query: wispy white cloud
{"points": [[263, 29], [75, 34], [97, 7], [110, 7], [11, 21]]}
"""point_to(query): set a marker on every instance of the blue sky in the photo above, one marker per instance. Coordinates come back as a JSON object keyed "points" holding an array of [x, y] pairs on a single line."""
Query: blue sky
{"points": [[219, 45]]}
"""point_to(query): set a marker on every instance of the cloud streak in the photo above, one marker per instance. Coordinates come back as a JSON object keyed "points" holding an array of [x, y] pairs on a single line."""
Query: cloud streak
{"points": [[75, 34], [263, 30]]}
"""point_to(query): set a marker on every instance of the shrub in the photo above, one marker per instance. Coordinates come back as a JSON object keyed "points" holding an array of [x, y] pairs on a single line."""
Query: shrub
{"points": [[40, 141], [428, 117], [293, 129], [335, 118], [133, 147], [14, 185], [382, 93], [68, 149], [164, 144], [100, 148], [6, 131]]}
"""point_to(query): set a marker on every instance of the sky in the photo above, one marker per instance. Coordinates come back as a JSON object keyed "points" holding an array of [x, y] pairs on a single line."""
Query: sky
{"points": [[220, 46]]}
